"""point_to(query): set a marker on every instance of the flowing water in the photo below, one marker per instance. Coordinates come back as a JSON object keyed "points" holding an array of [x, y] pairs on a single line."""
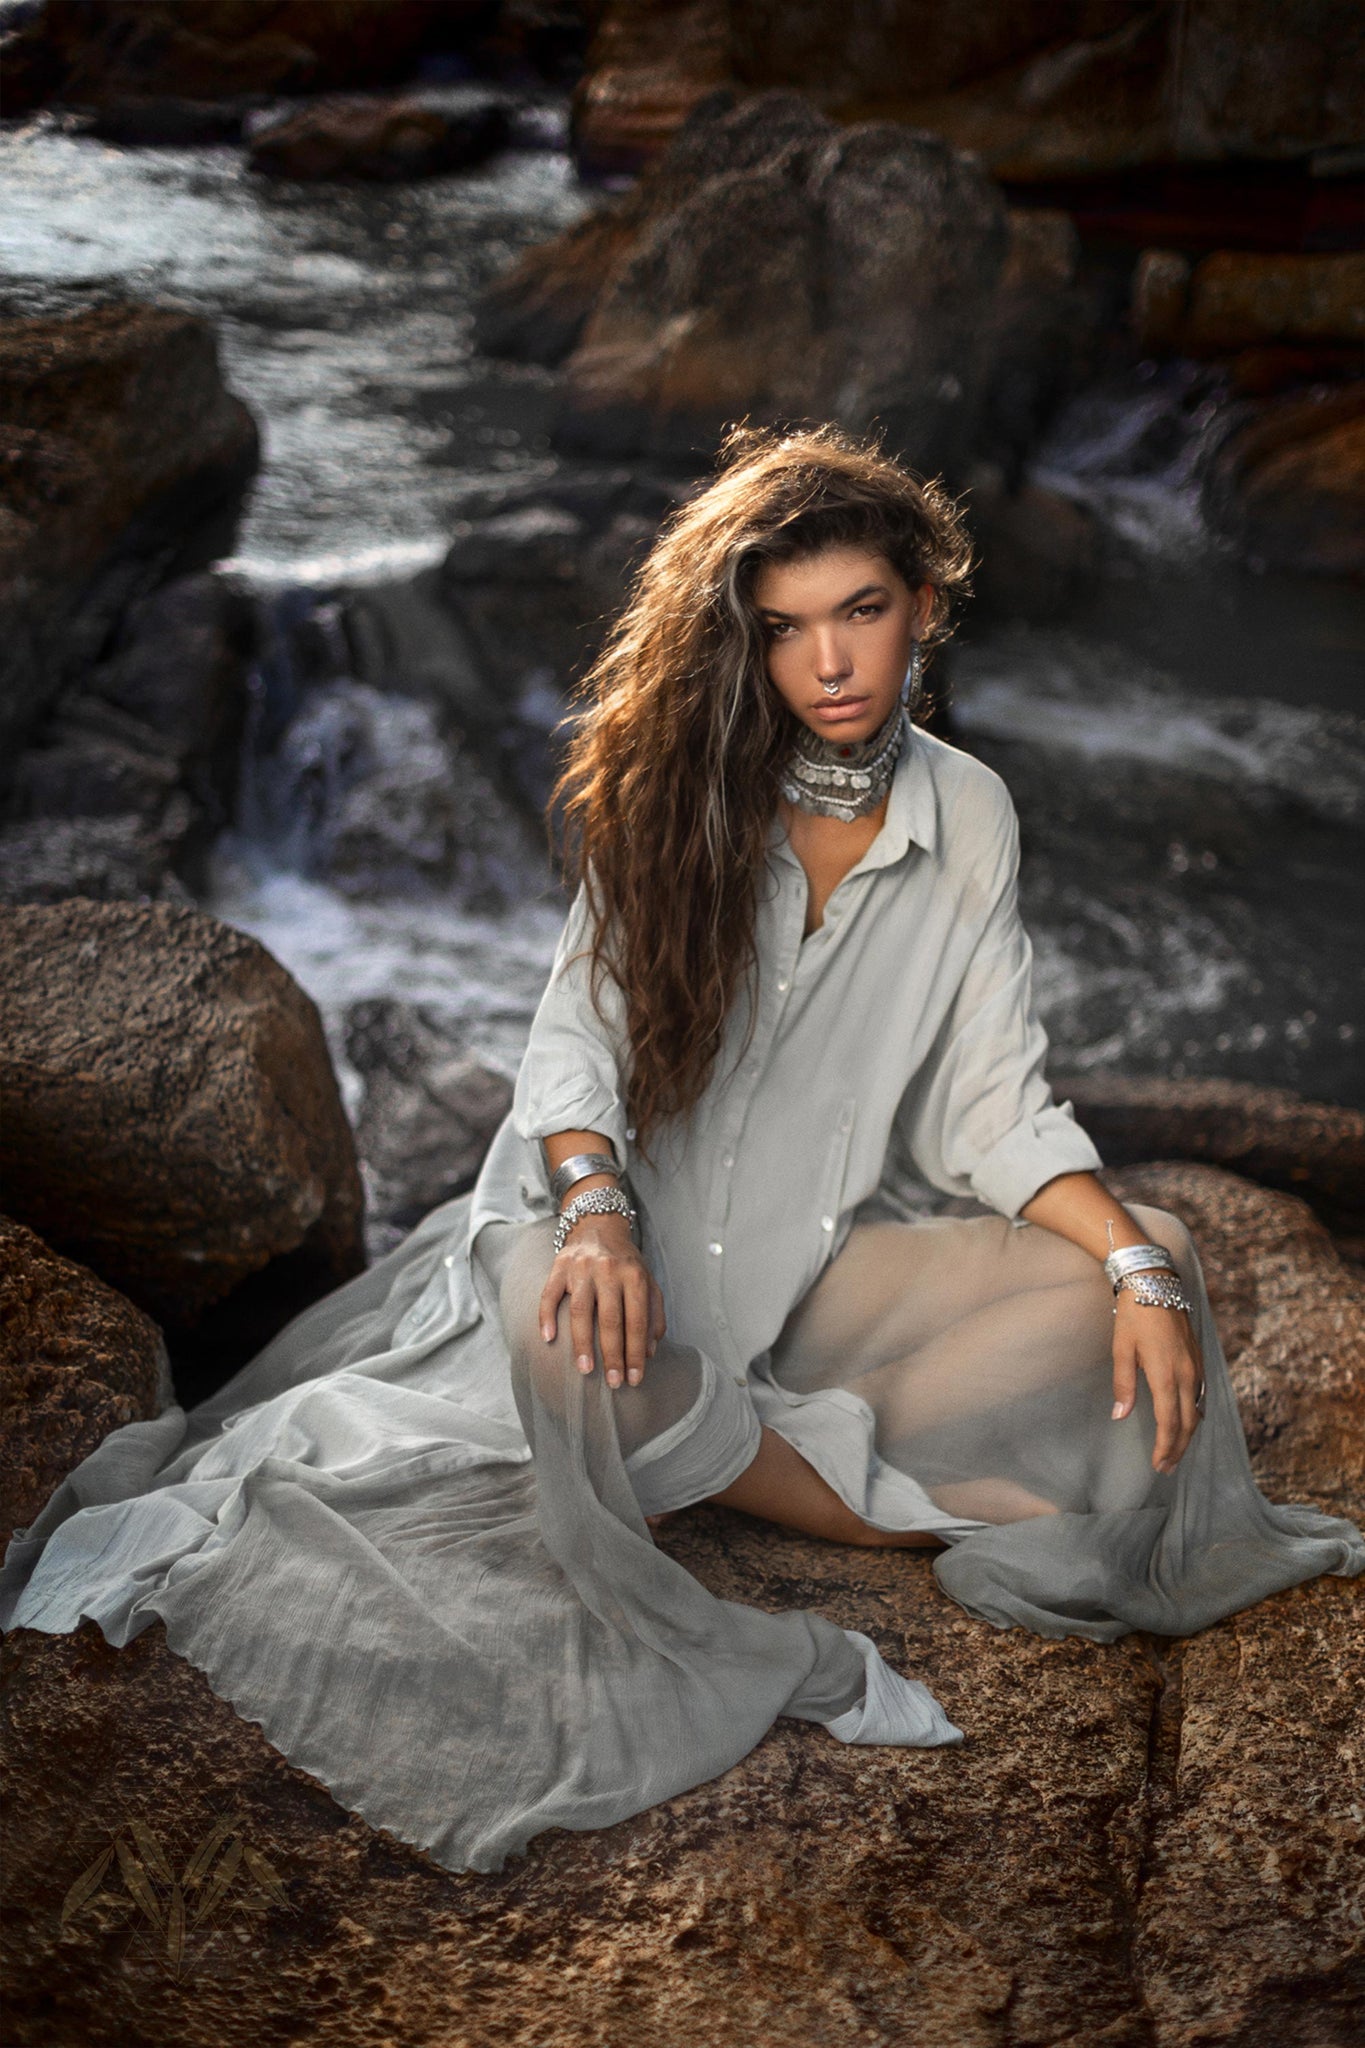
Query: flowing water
{"points": [[1187, 753]]}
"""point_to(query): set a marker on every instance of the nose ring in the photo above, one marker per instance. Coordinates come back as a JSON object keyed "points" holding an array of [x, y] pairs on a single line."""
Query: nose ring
{"points": [[831, 689]]}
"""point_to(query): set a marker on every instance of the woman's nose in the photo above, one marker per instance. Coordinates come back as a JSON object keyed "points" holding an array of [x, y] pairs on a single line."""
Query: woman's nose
{"points": [[831, 661]]}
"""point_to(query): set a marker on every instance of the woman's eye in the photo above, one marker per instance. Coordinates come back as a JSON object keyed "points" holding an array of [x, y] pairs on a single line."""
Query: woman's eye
{"points": [[867, 611]]}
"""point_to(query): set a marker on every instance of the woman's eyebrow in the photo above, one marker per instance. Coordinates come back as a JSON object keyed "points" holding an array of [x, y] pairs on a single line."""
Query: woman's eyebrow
{"points": [[867, 590]]}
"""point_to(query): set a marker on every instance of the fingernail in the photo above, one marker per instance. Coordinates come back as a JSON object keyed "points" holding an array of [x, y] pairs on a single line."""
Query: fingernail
{"points": [[634, 1378], [547, 1331], [613, 1379], [1118, 1410], [584, 1362]]}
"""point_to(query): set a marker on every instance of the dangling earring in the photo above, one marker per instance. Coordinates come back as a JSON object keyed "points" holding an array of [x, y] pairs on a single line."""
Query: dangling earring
{"points": [[910, 687]]}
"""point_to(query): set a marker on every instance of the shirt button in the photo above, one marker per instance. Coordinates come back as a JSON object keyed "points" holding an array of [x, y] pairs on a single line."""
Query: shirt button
{"points": [[449, 1259], [630, 1132], [827, 1223], [728, 1161], [782, 987], [715, 1248]]}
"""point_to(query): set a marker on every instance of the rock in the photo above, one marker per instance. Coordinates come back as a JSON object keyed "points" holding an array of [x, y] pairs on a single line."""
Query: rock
{"points": [[1144, 1844], [648, 66], [170, 121], [1037, 550], [429, 1113], [1042, 92], [536, 311], [172, 1118], [1235, 300], [759, 222], [109, 859], [357, 136], [1288, 486], [1270, 1135], [96, 52], [76, 1360], [374, 792], [123, 459]]}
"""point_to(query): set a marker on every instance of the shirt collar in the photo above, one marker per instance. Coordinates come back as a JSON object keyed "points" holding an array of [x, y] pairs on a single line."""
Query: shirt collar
{"points": [[911, 813]]}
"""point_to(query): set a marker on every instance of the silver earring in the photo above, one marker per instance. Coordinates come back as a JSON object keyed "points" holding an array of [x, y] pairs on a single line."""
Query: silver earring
{"points": [[910, 688]]}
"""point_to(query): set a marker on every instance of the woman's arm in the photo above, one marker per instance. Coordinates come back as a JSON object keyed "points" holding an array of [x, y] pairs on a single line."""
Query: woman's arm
{"points": [[604, 1276], [1160, 1340]]}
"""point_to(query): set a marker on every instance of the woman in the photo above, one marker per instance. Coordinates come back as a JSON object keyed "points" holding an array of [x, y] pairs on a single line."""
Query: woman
{"points": [[411, 1539]]}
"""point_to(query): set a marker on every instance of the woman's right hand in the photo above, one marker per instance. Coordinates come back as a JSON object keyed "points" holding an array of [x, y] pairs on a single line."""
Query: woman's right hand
{"points": [[605, 1277]]}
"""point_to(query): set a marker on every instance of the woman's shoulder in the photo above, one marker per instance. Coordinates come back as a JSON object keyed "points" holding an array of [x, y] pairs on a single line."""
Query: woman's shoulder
{"points": [[970, 797]]}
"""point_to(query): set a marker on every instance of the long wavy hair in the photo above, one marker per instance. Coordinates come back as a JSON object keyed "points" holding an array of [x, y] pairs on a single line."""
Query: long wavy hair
{"points": [[671, 780]]}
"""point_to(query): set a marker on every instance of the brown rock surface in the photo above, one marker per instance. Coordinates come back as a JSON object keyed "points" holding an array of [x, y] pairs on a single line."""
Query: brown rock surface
{"points": [[76, 1360], [90, 52], [355, 135], [171, 1114], [1313, 1149], [1047, 91], [1288, 487], [122, 458], [1145, 1845], [758, 222]]}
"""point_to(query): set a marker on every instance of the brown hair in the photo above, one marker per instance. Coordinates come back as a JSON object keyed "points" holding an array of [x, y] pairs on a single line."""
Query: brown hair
{"points": [[671, 780]]}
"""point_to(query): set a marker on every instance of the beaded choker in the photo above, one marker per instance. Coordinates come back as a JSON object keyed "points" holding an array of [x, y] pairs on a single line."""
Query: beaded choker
{"points": [[839, 778]]}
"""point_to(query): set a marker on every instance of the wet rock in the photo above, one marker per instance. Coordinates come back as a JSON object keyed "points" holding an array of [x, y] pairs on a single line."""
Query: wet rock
{"points": [[758, 223], [1036, 550], [1270, 1135], [76, 1360], [110, 859], [1288, 486], [93, 52], [1036, 92], [536, 311], [1145, 1843], [123, 459], [172, 1118], [1235, 300], [169, 120], [376, 793], [358, 136], [429, 1113], [648, 66]]}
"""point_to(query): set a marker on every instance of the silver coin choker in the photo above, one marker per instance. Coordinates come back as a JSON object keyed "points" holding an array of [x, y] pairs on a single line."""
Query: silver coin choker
{"points": [[841, 778]]}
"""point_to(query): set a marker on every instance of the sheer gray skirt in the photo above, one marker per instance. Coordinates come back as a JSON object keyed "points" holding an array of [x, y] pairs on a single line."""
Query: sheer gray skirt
{"points": [[431, 1583]]}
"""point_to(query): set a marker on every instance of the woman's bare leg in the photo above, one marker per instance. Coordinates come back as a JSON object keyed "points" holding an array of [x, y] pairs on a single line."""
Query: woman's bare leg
{"points": [[781, 1487]]}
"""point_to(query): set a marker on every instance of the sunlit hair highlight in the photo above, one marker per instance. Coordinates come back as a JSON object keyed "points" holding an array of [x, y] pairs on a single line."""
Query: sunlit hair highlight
{"points": [[671, 780]]}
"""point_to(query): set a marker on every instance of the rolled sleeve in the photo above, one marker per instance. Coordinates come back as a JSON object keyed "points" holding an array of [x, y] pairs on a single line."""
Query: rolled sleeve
{"points": [[570, 1076], [979, 1119]]}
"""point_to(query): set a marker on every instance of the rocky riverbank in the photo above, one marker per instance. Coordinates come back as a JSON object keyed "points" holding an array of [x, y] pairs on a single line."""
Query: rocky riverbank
{"points": [[1149, 1843]]}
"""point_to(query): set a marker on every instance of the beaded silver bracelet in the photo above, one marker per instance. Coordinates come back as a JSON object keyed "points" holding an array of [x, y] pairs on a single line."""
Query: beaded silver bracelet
{"points": [[578, 1168], [1154, 1289], [596, 1202]]}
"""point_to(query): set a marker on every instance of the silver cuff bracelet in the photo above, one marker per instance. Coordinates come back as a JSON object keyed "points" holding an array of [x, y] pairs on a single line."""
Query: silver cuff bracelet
{"points": [[578, 1168]]}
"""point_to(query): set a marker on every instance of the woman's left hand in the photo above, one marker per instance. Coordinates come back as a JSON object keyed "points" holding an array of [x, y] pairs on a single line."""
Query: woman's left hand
{"points": [[1162, 1343]]}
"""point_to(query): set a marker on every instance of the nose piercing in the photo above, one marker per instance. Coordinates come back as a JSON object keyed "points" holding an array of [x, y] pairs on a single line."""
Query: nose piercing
{"points": [[831, 689]]}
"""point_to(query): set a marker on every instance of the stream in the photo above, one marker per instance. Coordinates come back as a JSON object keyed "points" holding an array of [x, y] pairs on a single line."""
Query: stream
{"points": [[1186, 752]]}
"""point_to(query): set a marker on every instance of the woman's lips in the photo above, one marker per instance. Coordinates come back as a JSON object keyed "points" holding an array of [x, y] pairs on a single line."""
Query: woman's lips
{"points": [[847, 709]]}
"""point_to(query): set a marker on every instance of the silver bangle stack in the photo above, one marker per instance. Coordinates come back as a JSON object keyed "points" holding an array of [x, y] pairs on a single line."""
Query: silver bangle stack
{"points": [[578, 1168], [596, 1202], [1148, 1272]]}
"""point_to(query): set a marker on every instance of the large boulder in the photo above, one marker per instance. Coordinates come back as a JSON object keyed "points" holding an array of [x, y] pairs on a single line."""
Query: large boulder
{"points": [[782, 267], [124, 460], [76, 1360], [172, 1118], [1146, 1844], [1051, 90]]}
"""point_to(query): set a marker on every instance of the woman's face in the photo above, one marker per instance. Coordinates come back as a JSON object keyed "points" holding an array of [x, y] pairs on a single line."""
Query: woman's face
{"points": [[843, 616]]}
